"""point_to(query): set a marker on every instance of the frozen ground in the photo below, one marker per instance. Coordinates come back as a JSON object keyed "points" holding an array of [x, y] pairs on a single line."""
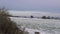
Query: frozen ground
{"points": [[45, 26]]}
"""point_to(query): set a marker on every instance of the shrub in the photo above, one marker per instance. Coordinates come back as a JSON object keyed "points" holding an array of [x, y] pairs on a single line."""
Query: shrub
{"points": [[6, 25], [43, 17]]}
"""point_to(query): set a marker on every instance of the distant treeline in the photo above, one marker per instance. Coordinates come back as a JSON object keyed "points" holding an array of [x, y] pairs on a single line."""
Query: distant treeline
{"points": [[43, 17], [48, 17]]}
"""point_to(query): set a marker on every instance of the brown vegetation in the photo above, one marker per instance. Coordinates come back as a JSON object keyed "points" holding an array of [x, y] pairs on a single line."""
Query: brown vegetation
{"points": [[6, 25]]}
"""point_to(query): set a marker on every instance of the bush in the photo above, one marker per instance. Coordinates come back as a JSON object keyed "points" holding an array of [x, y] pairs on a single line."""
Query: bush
{"points": [[31, 16], [43, 17], [6, 25]]}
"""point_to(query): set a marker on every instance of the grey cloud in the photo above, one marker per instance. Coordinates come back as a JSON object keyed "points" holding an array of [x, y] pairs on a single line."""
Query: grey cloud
{"points": [[31, 4]]}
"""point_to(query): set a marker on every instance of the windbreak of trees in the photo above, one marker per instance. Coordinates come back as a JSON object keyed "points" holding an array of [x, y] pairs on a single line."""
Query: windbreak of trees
{"points": [[6, 25], [44, 17]]}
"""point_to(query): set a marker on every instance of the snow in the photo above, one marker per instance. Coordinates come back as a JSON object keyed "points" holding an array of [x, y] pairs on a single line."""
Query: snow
{"points": [[32, 31], [44, 26]]}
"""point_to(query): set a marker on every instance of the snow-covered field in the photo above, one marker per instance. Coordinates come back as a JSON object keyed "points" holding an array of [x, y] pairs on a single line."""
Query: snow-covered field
{"points": [[45, 26]]}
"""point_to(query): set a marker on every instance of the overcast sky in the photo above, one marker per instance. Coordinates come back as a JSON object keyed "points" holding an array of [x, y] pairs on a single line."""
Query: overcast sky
{"points": [[39, 5]]}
